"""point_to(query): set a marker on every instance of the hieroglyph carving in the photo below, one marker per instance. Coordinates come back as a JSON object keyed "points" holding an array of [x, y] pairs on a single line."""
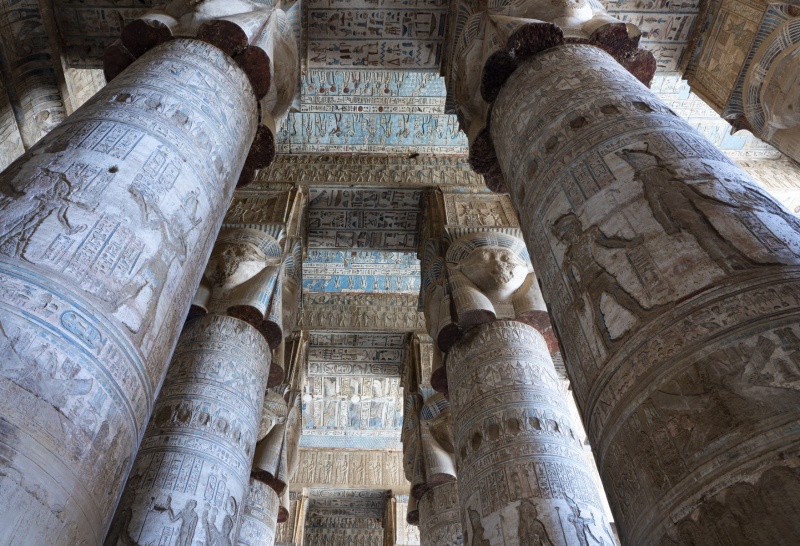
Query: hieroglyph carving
{"points": [[521, 469], [671, 278], [105, 227], [257, 37], [260, 516], [440, 518], [382, 312], [191, 475], [319, 169]]}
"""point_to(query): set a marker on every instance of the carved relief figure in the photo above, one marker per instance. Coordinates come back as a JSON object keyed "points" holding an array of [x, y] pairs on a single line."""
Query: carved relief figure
{"points": [[532, 531], [23, 210], [476, 529], [585, 274], [188, 518], [581, 524], [677, 206]]}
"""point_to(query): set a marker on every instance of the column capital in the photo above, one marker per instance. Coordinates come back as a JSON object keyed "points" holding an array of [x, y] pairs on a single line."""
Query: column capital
{"points": [[257, 37], [757, 89], [485, 43]]}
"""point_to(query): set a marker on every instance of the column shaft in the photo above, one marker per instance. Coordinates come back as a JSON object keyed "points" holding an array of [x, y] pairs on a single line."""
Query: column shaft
{"points": [[260, 516], [439, 517], [522, 475], [191, 475], [105, 227], [673, 282]]}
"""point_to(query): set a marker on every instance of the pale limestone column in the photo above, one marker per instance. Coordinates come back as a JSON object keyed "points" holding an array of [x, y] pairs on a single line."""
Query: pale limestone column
{"points": [[522, 474], [105, 226], [191, 475], [440, 517], [673, 281], [30, 66], [260, 516], [521, 468]]}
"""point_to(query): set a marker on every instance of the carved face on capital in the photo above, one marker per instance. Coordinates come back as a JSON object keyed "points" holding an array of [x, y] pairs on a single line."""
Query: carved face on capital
{"points": [[233, 264], [780, 96], [495, 269]]}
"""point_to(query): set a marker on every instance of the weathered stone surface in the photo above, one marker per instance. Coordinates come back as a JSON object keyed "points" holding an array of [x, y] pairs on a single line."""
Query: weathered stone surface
{"points": [[521, 468], [105, 227], [33, 84], [672, 280], [191, 473], [440, 517], [242, 279], [260, 515], [11, 146]]}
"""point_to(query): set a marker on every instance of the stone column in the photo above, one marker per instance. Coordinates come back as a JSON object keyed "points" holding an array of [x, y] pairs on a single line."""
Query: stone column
{"points": [[260, 516], [440, 517], [105, 227], [673, 281], [190, 478], [276, 455], [429, 453], [522, 473], [29, 67]]}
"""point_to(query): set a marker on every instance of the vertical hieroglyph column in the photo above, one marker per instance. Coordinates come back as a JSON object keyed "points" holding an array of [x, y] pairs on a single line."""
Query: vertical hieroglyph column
{"points": [[522, 472], [672, 278], [673, 281], [105, 227], [440, 517], [191, 475]]}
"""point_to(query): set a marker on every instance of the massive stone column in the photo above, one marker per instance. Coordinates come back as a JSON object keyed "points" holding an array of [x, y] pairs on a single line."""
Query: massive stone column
{"points": [[190, 477], [672, 280], [213, 411], [28, 65], [105, 227], [522, 473]]}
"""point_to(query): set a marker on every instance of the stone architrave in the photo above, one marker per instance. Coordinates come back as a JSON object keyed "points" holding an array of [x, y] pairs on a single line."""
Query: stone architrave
{"points": [[673, 282], [105, 226], [191, 475], [440, 517]]}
